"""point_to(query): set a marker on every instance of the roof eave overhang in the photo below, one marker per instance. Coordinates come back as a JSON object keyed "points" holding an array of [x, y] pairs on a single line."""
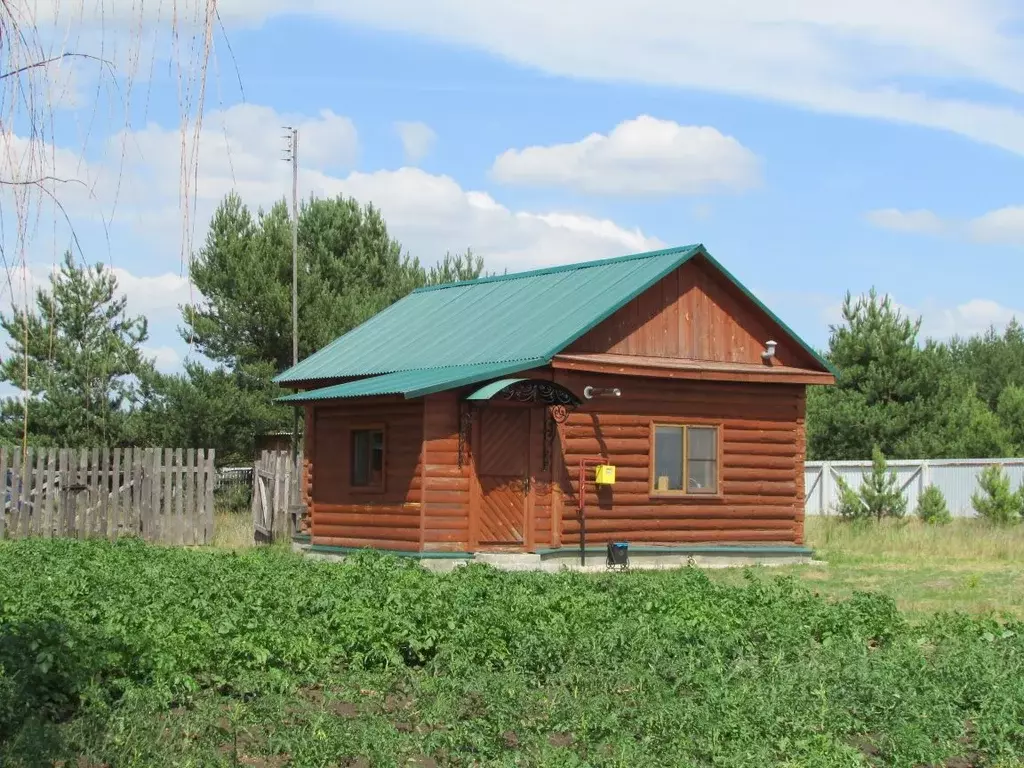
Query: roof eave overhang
{"points": [[768, 376]]}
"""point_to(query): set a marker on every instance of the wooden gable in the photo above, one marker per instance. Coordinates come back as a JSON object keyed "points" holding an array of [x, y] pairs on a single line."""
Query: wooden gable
{"points": [[694, 313]]}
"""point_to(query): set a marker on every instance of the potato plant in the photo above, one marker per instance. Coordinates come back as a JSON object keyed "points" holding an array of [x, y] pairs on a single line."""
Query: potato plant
{"points": [[129, 654]]}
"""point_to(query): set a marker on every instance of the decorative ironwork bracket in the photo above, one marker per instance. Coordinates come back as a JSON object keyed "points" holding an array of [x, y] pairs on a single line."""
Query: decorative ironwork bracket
{"points": [[465, 425], [553, 414], [559, 402]]}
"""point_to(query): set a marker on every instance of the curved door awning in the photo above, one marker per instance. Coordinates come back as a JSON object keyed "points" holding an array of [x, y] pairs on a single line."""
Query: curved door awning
{"points": [[538, 391]]}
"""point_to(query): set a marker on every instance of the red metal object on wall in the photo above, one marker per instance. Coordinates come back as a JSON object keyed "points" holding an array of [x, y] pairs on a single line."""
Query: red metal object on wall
{"points": [[586, 461]]}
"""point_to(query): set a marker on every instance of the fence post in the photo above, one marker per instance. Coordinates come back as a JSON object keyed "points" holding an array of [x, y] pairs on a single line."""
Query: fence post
{"points": [[211, 481], [825, 489]]}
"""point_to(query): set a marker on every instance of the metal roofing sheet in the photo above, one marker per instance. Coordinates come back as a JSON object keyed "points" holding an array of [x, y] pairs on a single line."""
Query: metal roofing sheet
{"points": [[509, 318], [411, 383], [487, 391]]}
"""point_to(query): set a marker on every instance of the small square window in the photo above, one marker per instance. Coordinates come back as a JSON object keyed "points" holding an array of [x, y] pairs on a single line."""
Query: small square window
{"points": [[684, 459], [367, 458]]}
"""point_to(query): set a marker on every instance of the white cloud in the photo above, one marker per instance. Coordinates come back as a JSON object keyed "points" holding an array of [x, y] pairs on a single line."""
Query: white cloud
{"points": [[640, 156], [1005, 225], [166, 359], [156, 296], [876, 58], [432, 214], [967, 319], [940, 321], [417, 140], [919, 221], [238, 149], [827, 55], [1002, 226]]}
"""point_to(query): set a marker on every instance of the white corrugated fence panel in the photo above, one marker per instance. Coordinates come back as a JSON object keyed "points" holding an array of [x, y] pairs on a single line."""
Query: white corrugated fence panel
{"points": [[956, 478]]}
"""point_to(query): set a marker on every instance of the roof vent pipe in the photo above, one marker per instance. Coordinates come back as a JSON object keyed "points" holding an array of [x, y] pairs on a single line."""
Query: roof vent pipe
{"points": [[769, 351]]}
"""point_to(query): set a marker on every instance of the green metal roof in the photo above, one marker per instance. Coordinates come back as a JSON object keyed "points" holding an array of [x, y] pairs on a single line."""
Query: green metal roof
{"points": [[416, 383], [487, 391], [517, 321]]}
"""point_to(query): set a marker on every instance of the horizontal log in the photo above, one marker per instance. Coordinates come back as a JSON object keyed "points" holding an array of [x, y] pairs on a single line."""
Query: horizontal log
{"points": [[385, 509], [445, 458], [366, 502], [731, 472], [760, 488], [644, 497], [373, 521], [451, 498], [686, 537], [446, 546], [447, 522], [638, 528], [368, 533], [687, 512], [435, 471], [700, 406], [730, 448], [445, 510], [446, 444], [445, 483], [787, 436], [571, 461], [730, 416], [358, 543], [638, 431], [610, 447], [746, 461], [442, 535]]}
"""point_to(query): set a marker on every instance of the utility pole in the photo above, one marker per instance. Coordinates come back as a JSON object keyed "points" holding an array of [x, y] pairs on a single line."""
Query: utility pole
{"points": [[292, 156], [294, 153]]}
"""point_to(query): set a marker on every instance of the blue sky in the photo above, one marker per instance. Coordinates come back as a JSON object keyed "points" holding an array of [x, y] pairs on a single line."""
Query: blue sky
{"points": [[812, 147]]}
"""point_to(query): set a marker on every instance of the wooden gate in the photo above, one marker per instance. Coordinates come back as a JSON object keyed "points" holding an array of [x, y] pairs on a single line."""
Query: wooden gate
{"points": [[276, 502], [503, 471]]}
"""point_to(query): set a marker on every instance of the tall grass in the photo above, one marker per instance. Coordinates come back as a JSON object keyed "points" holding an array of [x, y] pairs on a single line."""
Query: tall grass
{"points": [[972, 541], [232, 530]]}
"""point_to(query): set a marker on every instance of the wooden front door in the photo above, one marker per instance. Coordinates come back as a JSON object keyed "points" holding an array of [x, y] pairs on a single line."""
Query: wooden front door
{"points": [[503, 472]]}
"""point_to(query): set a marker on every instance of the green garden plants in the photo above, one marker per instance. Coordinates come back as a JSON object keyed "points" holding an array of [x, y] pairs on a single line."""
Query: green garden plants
{"points": [[134, 655]]}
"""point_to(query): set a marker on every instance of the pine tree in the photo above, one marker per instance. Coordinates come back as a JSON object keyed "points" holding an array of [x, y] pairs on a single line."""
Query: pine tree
{"points": [[76, 358], [880, 490]]}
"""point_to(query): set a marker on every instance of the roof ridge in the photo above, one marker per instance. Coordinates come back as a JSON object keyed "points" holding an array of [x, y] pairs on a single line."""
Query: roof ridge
{"points": [[562, 268]]}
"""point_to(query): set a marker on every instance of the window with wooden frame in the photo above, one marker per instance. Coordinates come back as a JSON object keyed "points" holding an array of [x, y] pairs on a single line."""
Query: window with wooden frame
{"points": [[366, 446], [684, 459]]}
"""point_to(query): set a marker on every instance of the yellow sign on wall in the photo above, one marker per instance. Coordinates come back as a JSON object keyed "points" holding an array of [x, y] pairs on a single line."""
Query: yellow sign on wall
{"points": [[604, 474]]}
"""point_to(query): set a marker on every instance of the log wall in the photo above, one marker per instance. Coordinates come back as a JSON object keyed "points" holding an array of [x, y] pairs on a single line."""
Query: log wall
{"points": [[350, 517], [761, 463], [446, 485]]}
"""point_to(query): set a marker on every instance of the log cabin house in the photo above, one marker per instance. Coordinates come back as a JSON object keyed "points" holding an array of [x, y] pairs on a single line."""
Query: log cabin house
{"points": [[463, 418]]}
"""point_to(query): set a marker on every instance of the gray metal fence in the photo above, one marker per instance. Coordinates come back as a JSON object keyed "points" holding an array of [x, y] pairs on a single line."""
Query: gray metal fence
{"points": [[956, 478]]}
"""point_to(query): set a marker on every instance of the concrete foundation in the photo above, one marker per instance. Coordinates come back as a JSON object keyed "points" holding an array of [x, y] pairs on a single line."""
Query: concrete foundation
{"points": [[552, 561]]}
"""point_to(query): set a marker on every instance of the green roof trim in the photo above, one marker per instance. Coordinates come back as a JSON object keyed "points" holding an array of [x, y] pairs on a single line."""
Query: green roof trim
{"points": [[685, 549], [412, 384], [507, 322], [413, 553], [488, 391]]}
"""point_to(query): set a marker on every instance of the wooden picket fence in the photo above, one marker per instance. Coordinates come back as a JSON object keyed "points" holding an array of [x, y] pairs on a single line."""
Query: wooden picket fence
{"points": [[276, 495], [162, 495]]}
